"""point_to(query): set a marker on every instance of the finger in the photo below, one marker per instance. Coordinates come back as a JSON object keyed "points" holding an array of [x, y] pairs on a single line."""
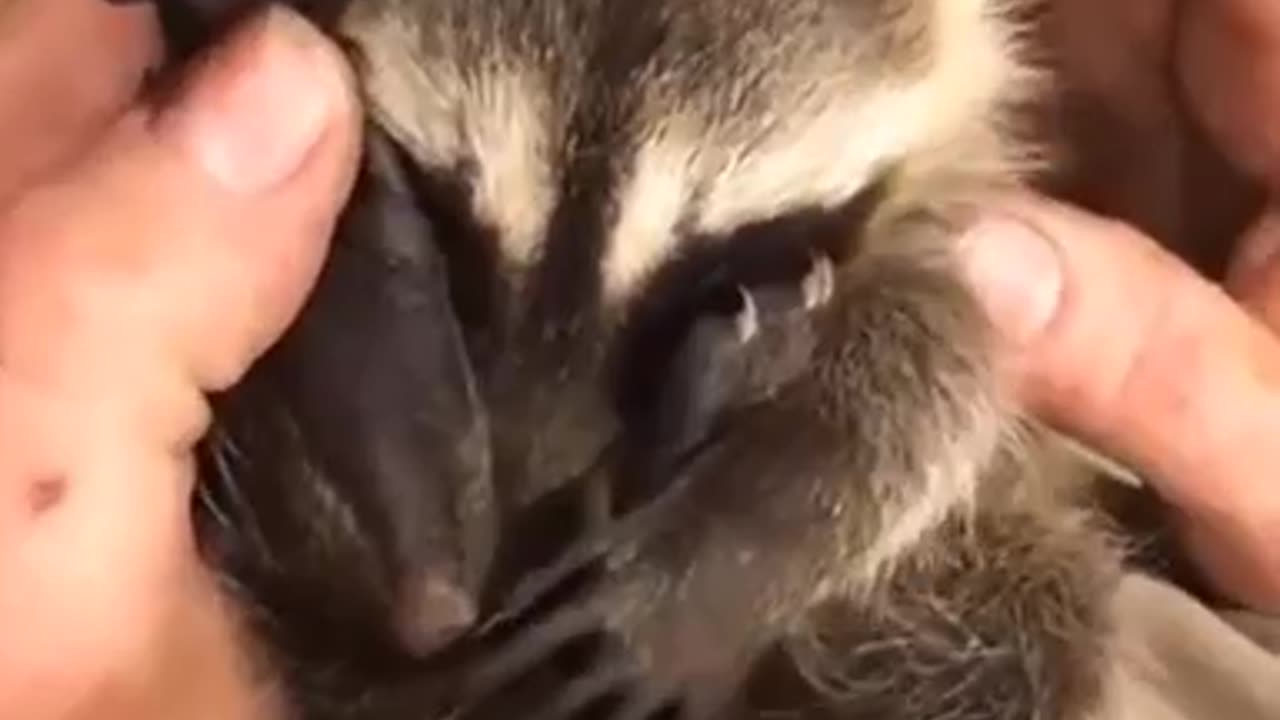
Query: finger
{"points": [[1114, 340], [1254, 275], [158, 266], [1229, 66], [67, 68], [203, 226]]}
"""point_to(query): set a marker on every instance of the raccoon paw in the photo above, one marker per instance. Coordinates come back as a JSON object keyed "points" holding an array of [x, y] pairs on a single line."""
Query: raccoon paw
{"points": [[730, 361]]}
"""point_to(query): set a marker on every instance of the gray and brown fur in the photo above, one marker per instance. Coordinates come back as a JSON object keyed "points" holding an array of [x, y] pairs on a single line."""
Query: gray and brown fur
{"points": [[871, 519], [597, 144]]}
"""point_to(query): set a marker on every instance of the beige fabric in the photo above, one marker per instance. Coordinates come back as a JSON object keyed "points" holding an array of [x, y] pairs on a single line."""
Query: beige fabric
{"points": [[1178, 660]]}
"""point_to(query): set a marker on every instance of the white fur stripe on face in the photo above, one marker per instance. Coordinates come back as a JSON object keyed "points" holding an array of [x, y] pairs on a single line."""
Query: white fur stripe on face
{"points": [[828, 146], [506, 130], [650, 204], [497, 123], [820, 155]]}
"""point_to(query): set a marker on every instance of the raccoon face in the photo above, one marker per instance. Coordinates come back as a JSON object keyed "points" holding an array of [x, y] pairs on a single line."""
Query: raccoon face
{"points": [[593, 173], [577, 151]]}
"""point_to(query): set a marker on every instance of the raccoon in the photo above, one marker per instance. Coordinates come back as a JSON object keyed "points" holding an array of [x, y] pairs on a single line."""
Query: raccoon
{"points": [[642, 383]]}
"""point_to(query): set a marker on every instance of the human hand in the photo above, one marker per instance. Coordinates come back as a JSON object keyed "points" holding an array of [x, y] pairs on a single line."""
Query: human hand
{"points": [[1112, 338], [75, 66], [140, 267]]}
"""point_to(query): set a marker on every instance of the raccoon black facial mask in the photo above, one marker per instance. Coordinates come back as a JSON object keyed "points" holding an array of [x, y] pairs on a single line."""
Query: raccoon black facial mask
{"points": [[670, 284], [366, 419]]}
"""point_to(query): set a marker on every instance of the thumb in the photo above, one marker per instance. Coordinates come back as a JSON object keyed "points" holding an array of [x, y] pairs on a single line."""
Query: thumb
{"points": [[220, 203], [1116, 341]]}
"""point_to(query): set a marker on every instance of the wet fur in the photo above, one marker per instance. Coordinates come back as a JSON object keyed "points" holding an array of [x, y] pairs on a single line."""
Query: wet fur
{"points": [[867, 518]]}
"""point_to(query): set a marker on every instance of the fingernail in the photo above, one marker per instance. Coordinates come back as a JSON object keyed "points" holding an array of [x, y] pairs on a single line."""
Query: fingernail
{"points": [[1016, 274], [253, 110], [1259, 252]]}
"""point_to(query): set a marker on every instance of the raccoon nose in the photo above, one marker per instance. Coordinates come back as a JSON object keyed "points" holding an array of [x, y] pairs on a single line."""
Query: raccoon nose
{"points": [[432, 613]]}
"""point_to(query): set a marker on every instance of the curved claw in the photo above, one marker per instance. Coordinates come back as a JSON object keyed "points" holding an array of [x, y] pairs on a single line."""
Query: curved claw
{"points": [[747, 321], [819, 285]]}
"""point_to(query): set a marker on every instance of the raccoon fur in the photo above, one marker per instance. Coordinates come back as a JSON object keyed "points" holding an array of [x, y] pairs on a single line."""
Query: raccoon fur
{"points": [[642, 383]]}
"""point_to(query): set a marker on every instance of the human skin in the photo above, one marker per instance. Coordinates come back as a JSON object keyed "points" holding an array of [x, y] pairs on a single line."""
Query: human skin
{"points": [[1113, 339], [146, 258], [74, 64], [115, 245]]}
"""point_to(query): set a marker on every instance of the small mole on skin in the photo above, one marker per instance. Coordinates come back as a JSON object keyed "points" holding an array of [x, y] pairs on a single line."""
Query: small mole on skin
{"points": [[45, 493]]}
